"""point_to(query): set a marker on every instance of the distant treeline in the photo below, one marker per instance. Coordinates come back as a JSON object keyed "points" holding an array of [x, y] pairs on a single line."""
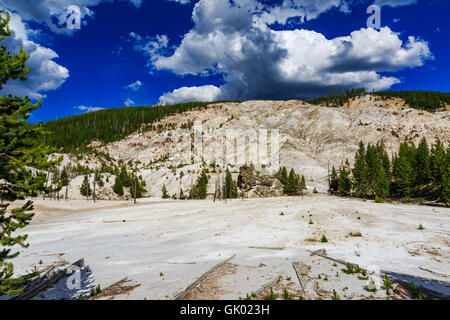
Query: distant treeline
{"points": [[413, 172], [338, 99], [426, 100], [108, 125]]}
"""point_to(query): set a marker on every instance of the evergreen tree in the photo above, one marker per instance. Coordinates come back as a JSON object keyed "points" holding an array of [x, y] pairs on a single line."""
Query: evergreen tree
{"points": [[230, 186], [403, 171], [200, 189], [19, 153], [422, 164], [438, 165], [65, 181], [446, 179], [303, 184], [344, 183], [165, 195], [98, 179], [118, 187], [284, 176], [360, 171], [85, 188]]}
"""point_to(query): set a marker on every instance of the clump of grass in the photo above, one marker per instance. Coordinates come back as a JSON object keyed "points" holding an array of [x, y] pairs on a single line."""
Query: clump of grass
{"points": [[326, 278], [352, 269], [420, 227], [378, 199], [414, 291], [271, 295], [286, 295], [319, 277], [324, 239], [335, 296], [311, 240], [281, 213], [355, 234], [363, 275], [96, 291], [288, 278], [161, 274], [310, 221], [387, 284], [315, 190]]}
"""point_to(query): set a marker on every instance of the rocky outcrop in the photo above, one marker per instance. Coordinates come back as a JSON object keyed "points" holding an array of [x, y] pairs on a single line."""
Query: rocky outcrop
{"points": [[257, 185]]}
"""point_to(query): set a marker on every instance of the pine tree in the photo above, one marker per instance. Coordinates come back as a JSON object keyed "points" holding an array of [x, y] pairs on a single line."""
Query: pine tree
{"points": [[403, 171], [446, 179], [65, 181], [165, 194], [284, 176], [360, 171], [422, 164], [200, 189], [118, 187], [18, 154], [344, 183], [230, 186], [438, 164], [85, 188], [303, 184]]}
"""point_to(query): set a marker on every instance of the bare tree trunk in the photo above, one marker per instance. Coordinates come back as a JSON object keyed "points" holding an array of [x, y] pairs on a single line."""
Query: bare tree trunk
{"points": [[94, 190]]}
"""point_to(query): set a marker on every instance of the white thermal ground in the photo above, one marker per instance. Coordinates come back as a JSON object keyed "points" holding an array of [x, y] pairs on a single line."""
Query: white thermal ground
{"points": [[184, 239]]}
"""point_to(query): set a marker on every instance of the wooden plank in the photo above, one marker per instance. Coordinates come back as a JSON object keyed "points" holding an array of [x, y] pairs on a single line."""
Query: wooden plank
{"points": [[298, 276], [197, 282]]}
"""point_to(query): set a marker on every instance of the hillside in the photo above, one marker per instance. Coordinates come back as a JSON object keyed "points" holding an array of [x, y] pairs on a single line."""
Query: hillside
{"points": [[311, 138]]}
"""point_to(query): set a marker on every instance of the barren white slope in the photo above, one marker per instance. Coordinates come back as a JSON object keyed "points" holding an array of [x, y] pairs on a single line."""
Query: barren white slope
{"points": [[310, 136], [183, 239]]}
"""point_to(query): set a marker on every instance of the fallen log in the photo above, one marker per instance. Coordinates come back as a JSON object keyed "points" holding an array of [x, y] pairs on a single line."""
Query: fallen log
{"points": [[42, 283], [197, 282], [298, 276], [271, 283], [115, 289], [267, 248]]}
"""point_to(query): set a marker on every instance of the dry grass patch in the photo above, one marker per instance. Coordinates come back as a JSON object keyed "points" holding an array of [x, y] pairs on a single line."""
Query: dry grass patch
{"points": [[355, 234]]}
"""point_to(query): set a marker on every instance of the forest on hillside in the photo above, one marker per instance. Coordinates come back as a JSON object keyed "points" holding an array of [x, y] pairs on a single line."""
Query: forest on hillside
{"points": [[76, 132], [425, 100]]}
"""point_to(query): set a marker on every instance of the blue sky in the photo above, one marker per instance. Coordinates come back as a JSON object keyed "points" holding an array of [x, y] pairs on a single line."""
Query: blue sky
{"points": [[141, 52]]}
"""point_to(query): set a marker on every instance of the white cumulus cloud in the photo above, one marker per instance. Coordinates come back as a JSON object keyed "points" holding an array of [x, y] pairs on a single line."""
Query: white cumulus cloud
{"points": [[88, 109], [257, 62], [134, 86], [186, 94], [128, 102], [46, 74], [43, 11]]}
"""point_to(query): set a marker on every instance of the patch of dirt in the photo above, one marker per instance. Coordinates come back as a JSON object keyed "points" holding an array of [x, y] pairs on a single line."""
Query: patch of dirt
{"points": [[210, 288], [115, 290]]}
